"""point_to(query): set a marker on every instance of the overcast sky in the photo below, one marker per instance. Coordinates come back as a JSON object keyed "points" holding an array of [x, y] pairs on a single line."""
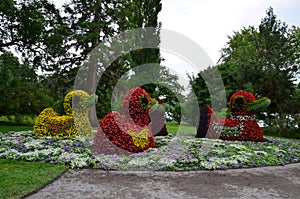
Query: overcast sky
{"points": [[209, 22]]}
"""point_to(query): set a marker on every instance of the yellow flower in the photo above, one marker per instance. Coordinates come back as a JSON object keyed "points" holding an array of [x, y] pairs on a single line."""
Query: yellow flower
{"points": [[140, 138]]}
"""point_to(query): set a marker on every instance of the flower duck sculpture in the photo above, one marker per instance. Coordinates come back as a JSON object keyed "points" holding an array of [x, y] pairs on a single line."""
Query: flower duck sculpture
{"points": [[130, 132], [74, 123], [241, 125]]}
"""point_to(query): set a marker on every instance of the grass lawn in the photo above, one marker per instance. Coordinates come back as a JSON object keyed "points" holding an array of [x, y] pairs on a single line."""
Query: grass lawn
{"points": [[186, 129], [5, 129], [20, 177]]}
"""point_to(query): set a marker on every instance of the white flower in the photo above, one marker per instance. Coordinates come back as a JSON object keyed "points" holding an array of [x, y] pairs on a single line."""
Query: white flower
{"points": [[34, 144], [167, 162], [263, 153], [208, 165], [238, 146]]}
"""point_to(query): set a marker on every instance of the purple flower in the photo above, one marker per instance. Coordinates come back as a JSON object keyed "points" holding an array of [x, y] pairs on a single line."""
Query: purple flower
{"points": [[236, 165], [67, 148], [77, 144]]}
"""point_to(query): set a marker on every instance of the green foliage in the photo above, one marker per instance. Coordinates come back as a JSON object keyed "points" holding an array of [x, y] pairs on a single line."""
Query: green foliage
{"points": [[176, 113], [201, 83], [139, 14], [239, 103], [263, 58], [224, 113], [59, 107], [21, 93], [282, 132], [8, 128], [32, 28]]}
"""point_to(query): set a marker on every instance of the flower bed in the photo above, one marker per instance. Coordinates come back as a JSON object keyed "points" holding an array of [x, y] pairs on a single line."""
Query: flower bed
{"points": [[173, 153]]}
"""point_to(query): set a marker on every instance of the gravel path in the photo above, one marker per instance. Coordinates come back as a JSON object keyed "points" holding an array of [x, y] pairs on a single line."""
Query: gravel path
{"points": [[266, 182]]}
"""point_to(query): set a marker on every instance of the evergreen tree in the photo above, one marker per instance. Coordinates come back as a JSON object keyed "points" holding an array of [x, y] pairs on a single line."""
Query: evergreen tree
{"points": [[263, 59], [21, 93]]}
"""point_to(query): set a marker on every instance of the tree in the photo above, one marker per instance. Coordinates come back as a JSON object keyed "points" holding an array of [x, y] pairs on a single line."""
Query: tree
{"points": [[89, 22], [200, 89], [21, 93], [264, 59], [32, 29], [142, 14], [85, 25]]}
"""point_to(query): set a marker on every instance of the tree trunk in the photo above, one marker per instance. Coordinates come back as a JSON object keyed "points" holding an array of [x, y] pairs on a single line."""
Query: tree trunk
{"points": [[91, 89], [93, 67]]}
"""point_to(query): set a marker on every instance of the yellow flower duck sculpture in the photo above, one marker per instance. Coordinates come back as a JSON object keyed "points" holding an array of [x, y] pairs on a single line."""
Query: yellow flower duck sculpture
{"points": [[74, 123]]}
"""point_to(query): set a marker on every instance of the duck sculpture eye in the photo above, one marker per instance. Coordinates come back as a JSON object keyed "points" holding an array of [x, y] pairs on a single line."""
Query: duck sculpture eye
{"points": [[144, 102], [239, 103]]}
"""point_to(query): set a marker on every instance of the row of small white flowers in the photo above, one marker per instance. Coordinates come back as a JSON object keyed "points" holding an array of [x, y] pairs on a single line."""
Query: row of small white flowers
{"points": [[179, 152]]}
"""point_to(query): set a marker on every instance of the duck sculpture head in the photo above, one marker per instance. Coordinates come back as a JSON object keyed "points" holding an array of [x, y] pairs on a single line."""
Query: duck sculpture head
{"points": [[244, 103]]}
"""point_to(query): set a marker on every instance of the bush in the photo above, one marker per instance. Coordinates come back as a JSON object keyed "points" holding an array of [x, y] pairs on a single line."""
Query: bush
{"points": [[17, 120], [293, 133]]}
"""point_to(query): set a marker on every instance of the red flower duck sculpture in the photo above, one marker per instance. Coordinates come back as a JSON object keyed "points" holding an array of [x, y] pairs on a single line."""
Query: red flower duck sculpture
{"points": [[241, 125], [119, 134]]}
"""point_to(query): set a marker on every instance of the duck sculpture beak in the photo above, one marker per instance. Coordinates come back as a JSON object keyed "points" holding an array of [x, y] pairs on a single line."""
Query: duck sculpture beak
{"points": [[258, 105], [93, 99]]}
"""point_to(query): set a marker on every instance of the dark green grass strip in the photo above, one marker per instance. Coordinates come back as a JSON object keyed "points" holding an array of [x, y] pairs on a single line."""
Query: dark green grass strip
{"points": [[5, 129]]}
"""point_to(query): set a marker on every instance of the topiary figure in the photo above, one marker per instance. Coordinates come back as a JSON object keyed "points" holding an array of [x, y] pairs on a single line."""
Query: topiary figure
{"points": [[241, 125], [74, 123], [119, 134]]}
